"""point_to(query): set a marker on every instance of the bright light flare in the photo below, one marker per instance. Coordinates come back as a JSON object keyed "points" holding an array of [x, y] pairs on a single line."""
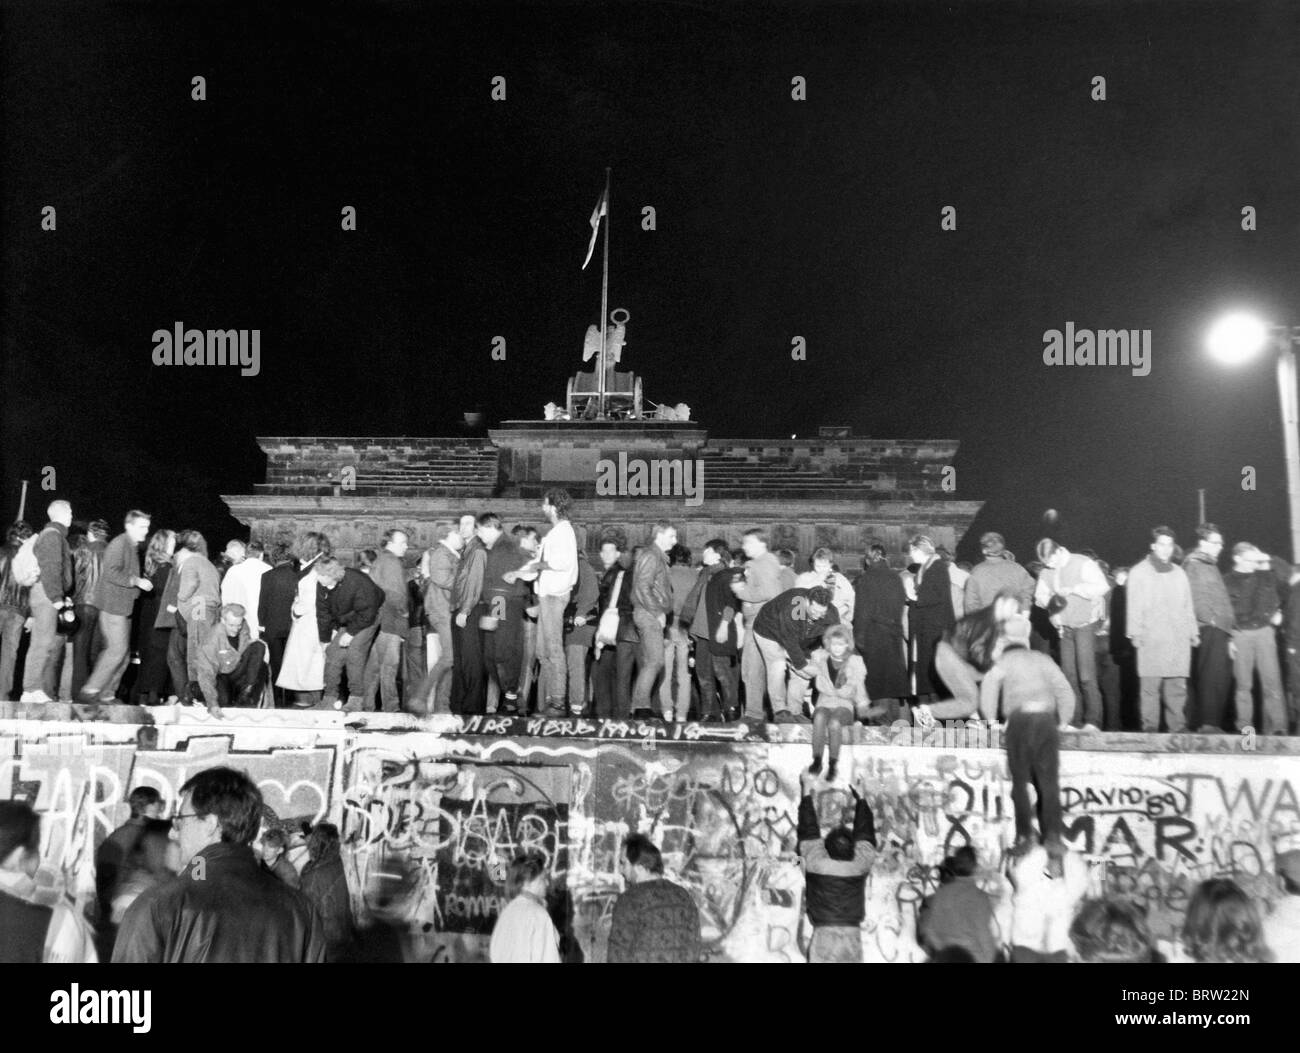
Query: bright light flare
{"points": [[1237, 338]]}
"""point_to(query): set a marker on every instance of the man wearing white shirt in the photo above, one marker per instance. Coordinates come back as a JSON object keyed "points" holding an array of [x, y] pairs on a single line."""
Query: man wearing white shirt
{"points": [[243, 581], [556, 569], [524, 932], [1082, 588]]}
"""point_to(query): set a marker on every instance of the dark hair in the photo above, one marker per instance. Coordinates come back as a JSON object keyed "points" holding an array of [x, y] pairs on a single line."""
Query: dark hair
{"points": [[20, 827], [329, 568], [254, 549], [489, 519], [132, 516], [149, 853], [1223, 925], [820, 594], [922, 541], [962, 863], [313, 544], [192, 540], [821, 553], [1204, 531], [560, 501], [323, 842], [366, 557], [641, 851], [613, 536], [392, 532], [839, 844], [1163, 531], [524, 530], [952, 954], [1112, 930], [719, 547], [276, 836], [141, 798], [232, 797], [524, 870], [18, 532], [679, 556], [876, 552], [785, 557]]}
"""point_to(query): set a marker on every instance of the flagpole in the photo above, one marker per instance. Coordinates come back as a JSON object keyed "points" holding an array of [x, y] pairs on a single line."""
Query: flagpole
{"points": [[604, 307]]}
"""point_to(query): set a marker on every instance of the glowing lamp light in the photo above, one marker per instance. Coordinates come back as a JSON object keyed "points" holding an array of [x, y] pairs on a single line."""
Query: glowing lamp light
{"points": [[1237, 338]]}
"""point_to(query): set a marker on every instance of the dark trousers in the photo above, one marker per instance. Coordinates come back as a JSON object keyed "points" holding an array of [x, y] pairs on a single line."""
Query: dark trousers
{"points": [[275, 645], [1079, 663], [176, 659], [611, 681], [1033, 755], [11, 638], [1212, 669], [713, 671], [152, 683], [469, 689], [86, 645], [353, 659], [503, 649], [249, 675]]}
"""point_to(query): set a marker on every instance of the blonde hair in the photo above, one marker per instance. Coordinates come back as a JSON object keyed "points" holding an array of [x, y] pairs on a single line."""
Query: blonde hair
{"points": [[838, 632]]}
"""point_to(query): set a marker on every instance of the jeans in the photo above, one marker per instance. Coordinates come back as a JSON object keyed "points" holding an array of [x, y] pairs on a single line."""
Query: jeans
{"points": [[1175, 692], [1079, 663], [550, 650], [1212, 668], [11, 636], [1033, 755], [962, 679], [611, 680], [151, 683], [413, 669], [176, 659], [775, 659], [115, 629], [439, 680], [388, 651], [576, 659], [677, 667], [45, 650], [649, 656], [753, 672], [1257, 651], [353, 659], [712, 670]]}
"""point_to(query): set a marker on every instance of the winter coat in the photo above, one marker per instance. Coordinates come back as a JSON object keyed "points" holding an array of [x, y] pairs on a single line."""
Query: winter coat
{"points": [[1210, 599], [880, 601], [997, 574], [1160, 619]]}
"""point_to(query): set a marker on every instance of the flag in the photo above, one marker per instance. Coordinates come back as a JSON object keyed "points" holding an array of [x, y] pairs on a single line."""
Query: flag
{"points": [[601, 209]]}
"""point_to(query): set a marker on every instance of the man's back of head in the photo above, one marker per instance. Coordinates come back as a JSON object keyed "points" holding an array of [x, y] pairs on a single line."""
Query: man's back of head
{"points": [[839, 844]]}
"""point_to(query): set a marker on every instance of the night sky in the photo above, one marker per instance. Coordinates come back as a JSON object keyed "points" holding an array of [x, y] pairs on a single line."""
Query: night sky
{"points": [[776, 218]]}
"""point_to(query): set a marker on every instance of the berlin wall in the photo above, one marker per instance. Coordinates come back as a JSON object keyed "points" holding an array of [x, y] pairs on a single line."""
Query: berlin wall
{"points": [[431, 812]]}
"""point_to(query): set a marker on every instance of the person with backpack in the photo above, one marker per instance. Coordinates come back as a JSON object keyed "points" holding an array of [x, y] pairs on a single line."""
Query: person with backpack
{"points": [[44, 564], [14, 609]]}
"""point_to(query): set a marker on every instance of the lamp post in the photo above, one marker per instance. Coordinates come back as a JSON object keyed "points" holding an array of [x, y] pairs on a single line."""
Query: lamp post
{"points": [[1235, 340]]}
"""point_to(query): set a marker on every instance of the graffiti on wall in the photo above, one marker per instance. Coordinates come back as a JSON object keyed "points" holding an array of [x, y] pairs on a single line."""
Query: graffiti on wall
{"points": [[430, 822]]}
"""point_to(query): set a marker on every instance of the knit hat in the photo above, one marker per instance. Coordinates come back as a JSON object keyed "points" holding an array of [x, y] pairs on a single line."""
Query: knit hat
{"points": [[1016, 630]]}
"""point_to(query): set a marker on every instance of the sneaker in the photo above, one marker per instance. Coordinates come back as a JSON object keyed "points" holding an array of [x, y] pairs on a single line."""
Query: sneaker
{"points": [[35, 696], [353, 704], [108, 699], [88, 698], [1090, 729]]}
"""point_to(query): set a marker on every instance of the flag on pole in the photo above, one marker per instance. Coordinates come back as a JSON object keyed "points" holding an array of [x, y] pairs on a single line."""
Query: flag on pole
{"points": [[601, 209]]}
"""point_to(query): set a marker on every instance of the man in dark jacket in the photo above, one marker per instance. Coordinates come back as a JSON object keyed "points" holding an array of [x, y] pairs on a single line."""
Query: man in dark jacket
{"points": [[223, 906], [1211, 663], [1258, 611], [580, 619], [47, 597], [502, 606], [652, 602], [655, 921], [880, 605], [15, 608], [788, 628], [835, 871], [389, 573], [469, 692], [120, 583], [711, 611], [231, 666], [87, 547], [353, 613]]}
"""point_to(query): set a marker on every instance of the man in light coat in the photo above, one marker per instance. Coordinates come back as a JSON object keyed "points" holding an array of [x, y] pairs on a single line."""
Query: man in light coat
{"points": [[1161, 622]]}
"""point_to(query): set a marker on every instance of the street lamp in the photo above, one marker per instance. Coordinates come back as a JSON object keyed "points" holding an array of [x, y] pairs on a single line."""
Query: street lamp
{"points": [[1235, 340]]}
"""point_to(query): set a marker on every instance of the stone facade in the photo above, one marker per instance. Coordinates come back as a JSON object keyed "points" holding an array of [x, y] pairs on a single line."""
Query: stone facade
{"points": [[843, 493]]}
